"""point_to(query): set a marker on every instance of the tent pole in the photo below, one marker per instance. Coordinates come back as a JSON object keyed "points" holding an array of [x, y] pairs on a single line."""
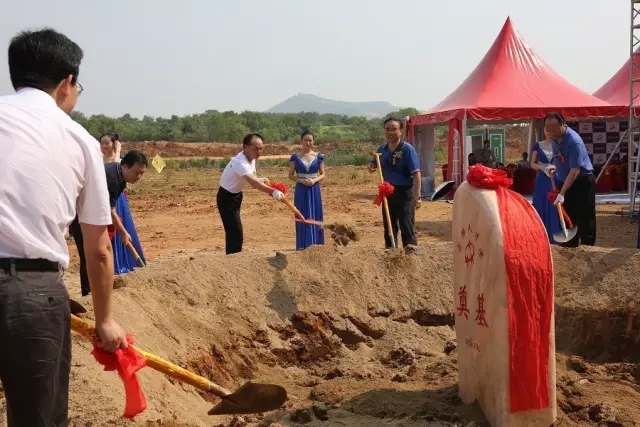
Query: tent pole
{"points": [[633, 98]]}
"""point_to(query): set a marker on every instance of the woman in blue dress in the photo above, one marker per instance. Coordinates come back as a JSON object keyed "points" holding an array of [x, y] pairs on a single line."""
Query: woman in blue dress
{"points": [[306, 169], [541, 157], [123, 259]]}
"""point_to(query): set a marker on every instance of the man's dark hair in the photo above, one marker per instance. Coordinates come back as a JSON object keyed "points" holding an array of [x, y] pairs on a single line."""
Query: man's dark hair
{"points": [[486, 141], [552, 116], [305, 133], [133, 157], [393, 119], [42, 59], [246, 141]]}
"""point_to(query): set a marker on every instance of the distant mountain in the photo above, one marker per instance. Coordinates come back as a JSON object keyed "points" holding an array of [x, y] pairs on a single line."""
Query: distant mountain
{"points": [[308, 103]]}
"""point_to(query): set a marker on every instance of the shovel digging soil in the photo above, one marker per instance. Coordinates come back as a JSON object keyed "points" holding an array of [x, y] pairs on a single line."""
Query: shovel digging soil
{"points": [[567, 230], [250, 398]]}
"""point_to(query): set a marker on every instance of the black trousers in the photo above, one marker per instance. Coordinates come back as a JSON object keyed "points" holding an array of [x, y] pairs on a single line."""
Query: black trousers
{"points": [[229, 208], [402, 217], [580, 205], [76, 233], [35, 344]]}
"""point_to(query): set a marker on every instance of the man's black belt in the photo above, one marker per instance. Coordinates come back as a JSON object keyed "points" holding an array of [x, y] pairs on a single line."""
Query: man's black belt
{"points": [[25, 264]]}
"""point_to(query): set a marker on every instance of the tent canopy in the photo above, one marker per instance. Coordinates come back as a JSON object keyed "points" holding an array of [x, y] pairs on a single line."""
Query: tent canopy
{"points": [[512, 83], [616, 91]]}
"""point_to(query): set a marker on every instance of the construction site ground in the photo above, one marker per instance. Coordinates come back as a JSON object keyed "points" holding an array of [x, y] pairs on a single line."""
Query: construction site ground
{"points": [[359, 336]]}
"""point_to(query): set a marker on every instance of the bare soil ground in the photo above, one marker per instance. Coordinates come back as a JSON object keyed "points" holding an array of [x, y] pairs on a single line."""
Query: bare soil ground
{"points": [[359, 336]]}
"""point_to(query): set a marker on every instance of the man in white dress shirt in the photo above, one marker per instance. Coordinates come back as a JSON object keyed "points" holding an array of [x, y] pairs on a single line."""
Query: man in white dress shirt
{"points": [[239, 172], [50, 168]]}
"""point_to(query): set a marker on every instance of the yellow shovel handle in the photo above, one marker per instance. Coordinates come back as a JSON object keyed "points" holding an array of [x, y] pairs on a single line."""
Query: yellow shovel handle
{"points": [[385, 204], [135, 254], [88, 330]]}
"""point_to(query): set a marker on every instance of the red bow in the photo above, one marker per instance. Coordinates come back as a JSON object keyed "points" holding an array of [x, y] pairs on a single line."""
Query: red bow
{"points": [[553, 195], [280, 186], [384, 190], [481, 176], [111, 230], [126, 362]]}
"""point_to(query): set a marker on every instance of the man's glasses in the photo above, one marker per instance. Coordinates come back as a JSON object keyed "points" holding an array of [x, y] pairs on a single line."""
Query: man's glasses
{"points": [[80, 88]]}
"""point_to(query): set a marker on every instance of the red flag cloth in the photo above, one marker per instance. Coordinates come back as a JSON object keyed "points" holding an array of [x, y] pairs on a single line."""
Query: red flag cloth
{"points": [[530, 295], [126, 362], [281, 186], [384, 190]]}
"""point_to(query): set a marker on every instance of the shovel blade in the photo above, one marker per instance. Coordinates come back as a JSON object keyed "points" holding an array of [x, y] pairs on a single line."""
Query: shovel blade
{"points": [[310, 222], [442, 190], [251, 398], [560, 237], [76, 308]]}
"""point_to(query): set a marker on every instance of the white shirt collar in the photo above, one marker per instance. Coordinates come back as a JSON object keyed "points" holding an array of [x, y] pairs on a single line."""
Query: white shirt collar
{"points": [[37, 94]]}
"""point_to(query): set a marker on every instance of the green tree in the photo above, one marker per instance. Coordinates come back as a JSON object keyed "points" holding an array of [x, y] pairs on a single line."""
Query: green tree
{"points": [[229, 126]]}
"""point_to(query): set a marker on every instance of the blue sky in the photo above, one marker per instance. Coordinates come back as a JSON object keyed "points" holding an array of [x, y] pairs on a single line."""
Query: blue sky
{"points": [[167, 57]]}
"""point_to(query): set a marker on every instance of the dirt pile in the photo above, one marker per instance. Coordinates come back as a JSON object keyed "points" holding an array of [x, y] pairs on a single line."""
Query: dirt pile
{"points": [[358, 336]]}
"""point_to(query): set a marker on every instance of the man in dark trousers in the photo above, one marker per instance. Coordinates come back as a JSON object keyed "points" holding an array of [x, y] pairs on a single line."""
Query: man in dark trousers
{"points": [[240, 172], [576, 182], [130, 169], [400, 168], [50, 170]]}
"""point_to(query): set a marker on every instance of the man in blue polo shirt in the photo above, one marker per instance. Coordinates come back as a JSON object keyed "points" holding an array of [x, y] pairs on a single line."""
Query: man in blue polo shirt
{"points": [[400, 168], [574, 173]]}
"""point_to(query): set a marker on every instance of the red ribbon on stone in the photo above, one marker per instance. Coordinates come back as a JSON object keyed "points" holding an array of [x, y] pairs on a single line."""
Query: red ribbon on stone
{"points": [[384, 190], [481, 176]]}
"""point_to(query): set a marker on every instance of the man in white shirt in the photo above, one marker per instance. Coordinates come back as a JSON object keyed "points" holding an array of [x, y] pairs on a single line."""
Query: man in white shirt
{"points": [[50, 169], [239, 172]]}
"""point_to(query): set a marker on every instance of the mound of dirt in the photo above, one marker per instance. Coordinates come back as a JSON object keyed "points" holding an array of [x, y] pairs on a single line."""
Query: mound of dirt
{"points": [[358, 336]]}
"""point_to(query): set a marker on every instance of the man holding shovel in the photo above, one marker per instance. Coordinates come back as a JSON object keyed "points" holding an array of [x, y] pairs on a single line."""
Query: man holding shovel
{"points": [[239, 172], [400, 168], [50, 170], [129, 170], [576, 183]]}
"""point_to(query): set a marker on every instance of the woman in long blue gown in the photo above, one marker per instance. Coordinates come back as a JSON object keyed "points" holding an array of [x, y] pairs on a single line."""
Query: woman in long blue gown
{"points": [[307, 170], [123, 259], [541, 156]]}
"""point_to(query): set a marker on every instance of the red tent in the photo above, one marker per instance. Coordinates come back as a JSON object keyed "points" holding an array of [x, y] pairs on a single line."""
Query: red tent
{"points": [[616, 91], [511, 83]]}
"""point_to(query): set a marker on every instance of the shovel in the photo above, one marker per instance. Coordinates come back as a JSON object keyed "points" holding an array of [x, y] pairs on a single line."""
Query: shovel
{"points": [[385, 203], [135, 254], [566, 234], [442, 190], [293, 209], [300, 217], [310, 222], [250, 398]]}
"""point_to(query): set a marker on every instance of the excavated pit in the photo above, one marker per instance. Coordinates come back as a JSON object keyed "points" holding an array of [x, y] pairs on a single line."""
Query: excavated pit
{"points": [[358, 336]]}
